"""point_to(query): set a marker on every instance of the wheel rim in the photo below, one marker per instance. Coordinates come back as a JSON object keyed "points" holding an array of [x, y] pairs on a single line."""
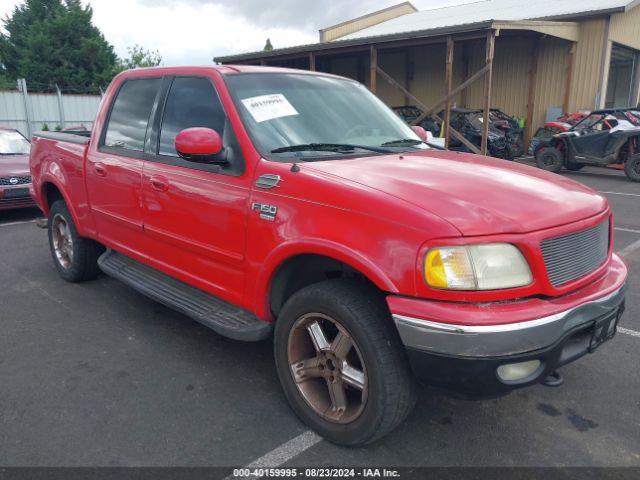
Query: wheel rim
{"points": [[327, 368], [549, 160], [62, 241]]}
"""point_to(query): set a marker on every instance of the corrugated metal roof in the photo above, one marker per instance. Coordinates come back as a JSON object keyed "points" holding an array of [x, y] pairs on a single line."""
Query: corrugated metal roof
{"points": [[485, 10]]}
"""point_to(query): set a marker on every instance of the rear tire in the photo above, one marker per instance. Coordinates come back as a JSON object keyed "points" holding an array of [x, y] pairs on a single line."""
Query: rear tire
{"points": [[318, 383], [632, 168], [549, 159], [75, 257]]}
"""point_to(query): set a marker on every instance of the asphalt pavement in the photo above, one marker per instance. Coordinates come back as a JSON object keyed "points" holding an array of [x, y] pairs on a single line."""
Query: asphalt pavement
{"points": [[95, 374]]}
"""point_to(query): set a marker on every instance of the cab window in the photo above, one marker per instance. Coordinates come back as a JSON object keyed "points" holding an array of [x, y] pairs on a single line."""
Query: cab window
{"points": [[129, 118]]}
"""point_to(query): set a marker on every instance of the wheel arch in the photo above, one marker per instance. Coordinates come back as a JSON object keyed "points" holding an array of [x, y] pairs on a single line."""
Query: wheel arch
{"points": [[317, 262], [51, 191]]}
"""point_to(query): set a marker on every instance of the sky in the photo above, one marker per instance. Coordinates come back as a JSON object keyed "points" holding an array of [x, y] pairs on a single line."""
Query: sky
{"points": [[192, 32]]}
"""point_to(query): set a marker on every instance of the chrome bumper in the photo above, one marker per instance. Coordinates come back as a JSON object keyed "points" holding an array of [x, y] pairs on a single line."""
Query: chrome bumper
{"points": [[501, 340]]}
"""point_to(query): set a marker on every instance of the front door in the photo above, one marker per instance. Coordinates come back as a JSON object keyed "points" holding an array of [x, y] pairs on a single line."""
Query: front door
{"points": [[195, 214], [114, 167]]}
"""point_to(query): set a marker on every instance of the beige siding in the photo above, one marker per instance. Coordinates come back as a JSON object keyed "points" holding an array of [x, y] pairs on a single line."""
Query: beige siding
{"points": [[511, 65], [625, 28], [345, 66], [395, 65], [427, 80], [586, 76], [332, 33], [553, 64]]}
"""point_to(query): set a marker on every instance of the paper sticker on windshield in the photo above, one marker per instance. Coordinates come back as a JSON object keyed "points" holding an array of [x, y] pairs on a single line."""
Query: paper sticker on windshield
{"points": [[268, 107]]}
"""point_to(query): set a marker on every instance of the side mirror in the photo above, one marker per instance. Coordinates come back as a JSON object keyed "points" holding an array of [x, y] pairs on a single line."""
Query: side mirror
{"points": [[422, 133], [199, 144]]}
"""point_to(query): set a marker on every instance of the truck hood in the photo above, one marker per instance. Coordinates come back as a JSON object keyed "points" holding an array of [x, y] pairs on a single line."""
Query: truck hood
{"points": [[478, 195], [14, 165]]}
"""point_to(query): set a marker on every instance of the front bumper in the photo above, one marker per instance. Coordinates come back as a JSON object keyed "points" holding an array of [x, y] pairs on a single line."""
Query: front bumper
{"points": [[16, 197], [465, 357]]}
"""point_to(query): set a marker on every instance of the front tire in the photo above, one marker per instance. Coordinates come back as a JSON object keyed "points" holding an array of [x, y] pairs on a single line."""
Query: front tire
{"points": [[549, 159], [341, 363], [75, 257], [632, 168]]}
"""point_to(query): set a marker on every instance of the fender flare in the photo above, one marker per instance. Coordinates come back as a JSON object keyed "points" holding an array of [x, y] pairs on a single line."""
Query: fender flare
{"points": [[54, 175], [326, 248]]}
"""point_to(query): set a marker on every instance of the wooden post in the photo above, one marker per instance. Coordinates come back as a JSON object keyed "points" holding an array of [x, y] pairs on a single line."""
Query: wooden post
{"points": [[373, 69], [488, 78], [467, 72], [569, 78], [448, 77], [312, 61], [531, 97]]}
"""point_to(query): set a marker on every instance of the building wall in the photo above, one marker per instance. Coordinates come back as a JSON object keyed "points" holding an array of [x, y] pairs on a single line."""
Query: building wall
{"points": [[332, 33], [552, 70], [511, 64], [585, 88], [625, 28]]}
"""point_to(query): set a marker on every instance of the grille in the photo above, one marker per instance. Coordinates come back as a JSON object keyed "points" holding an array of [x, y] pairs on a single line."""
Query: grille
{"points": [[6, 181], [572, 256]]}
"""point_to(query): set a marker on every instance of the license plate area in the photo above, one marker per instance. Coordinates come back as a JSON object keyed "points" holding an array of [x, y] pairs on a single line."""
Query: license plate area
{"points": [[604, 329], [16, 192]]}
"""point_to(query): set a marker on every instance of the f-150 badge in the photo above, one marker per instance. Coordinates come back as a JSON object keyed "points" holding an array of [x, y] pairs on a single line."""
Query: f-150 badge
{"points": [[267, 212]]}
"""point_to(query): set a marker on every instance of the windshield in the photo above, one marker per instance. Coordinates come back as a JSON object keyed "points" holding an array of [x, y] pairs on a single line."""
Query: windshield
{"points": [[329, 116], [13, 143]]}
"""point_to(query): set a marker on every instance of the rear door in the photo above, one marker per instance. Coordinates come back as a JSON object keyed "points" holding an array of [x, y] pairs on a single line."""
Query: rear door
{"points": [[194, 213], [114, 169]]}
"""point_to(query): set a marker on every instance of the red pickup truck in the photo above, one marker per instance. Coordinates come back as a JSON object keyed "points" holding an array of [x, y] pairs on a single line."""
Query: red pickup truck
{"points": [[270, 202]]}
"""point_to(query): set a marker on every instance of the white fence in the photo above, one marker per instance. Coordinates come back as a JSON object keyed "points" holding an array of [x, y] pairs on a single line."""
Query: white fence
{"points": [[30, 112]]}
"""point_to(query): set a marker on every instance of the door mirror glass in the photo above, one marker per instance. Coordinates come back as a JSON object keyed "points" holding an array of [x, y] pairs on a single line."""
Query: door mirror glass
{"points": [[200, 144]]}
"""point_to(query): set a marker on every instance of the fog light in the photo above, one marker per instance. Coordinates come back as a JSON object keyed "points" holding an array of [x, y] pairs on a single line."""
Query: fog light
{"points": [[513, 372]]}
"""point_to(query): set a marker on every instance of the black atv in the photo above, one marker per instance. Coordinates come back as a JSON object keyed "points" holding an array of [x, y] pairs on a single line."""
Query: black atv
{"points": [[604, 137]]}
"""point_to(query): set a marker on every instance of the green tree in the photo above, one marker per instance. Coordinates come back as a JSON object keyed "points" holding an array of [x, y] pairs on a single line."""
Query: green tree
{"points": [[55, 41], [267, 46], [139, 58]]}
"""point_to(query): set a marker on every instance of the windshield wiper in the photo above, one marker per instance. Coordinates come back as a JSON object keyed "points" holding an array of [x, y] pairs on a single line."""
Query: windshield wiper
{"points": [[328, 147], [402, 142], [410, 142]]}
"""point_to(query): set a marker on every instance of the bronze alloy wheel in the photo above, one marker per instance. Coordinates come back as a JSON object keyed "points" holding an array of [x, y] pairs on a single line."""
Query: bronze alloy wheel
{"points": [[62, 241], [327, 367]]}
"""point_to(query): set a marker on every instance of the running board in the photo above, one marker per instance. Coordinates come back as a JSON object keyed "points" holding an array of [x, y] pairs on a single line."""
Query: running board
{"points": [[220, 316]]}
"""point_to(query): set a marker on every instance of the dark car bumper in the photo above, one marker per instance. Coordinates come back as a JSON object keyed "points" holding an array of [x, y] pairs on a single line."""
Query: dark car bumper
{"points": [[492, 360], [16, 197]]}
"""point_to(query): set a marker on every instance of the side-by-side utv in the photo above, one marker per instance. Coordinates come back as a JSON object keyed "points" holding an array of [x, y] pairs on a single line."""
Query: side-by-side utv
{"points": [[603, 138]]}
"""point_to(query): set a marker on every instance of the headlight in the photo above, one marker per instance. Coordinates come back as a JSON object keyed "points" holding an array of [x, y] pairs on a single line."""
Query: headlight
{"points": [[491, 266]]}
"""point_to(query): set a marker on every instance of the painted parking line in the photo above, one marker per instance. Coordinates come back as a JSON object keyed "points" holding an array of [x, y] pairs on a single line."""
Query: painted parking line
{"points": [[627, 331], [285, 452], [629, 249], [621, 193], [21, 222], [628, 230]]}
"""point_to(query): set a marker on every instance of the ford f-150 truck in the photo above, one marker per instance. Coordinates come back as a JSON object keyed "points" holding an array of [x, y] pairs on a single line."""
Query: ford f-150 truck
{"points": [[270, 202]]}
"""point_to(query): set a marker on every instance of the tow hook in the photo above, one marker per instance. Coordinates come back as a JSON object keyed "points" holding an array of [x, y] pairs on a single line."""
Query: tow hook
{"points": [[41, 222], [554, 379]]}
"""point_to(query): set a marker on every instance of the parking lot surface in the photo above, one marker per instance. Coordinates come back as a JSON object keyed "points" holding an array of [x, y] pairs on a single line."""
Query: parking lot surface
{"points": [[95, 374]]}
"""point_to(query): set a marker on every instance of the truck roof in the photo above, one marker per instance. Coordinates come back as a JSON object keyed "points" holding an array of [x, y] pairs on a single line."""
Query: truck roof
{"points": [[223, 69]]}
